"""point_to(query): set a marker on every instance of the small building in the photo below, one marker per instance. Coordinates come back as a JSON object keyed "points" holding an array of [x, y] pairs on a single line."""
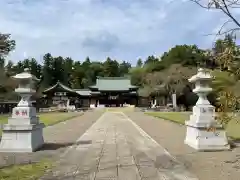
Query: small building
{"points": [[60, 95], [108, 92]]}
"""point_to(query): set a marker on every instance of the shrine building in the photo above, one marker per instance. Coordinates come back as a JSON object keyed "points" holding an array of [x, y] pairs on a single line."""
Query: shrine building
{"points": [[107, 92]]}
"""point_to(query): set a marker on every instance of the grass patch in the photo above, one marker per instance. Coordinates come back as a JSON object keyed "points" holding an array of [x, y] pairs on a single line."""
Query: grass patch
{"points": [[26, 172], [3, 119], [48, 119], [233, 128], [56, 117], [179, 118]]}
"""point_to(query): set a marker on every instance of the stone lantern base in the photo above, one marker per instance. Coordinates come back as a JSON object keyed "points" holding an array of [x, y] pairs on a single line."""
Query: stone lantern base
{"points": [[199, 136], [23, 133]]}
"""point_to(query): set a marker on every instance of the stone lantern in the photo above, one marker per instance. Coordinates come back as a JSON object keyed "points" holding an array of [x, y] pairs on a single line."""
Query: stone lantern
{"points": [[23, 132], [199, 136]]}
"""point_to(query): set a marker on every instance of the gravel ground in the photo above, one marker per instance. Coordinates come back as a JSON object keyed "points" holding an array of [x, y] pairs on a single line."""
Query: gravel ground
{"points": [[224, 165], [57, 138]]}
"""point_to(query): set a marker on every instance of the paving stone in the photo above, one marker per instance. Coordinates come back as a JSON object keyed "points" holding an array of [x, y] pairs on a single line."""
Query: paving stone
{"points": [[143, 160], [124, 153], [147, 172], [110, 173], [109, 156], [110, 150], [87, 169], [123, 149], [90, 176], [128, 173], [126, 161], [108, 165], [89, 164], [108, 161]]}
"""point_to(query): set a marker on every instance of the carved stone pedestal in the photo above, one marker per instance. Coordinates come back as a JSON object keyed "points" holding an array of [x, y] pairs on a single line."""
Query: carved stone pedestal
{"points": [[23, 133], [199, 134]]}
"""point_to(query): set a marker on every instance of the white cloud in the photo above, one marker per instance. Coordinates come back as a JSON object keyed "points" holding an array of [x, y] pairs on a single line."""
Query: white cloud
{"points": [[120, 29]]}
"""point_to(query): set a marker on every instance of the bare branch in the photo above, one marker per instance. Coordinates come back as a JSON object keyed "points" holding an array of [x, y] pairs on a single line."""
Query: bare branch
{"points": [[230, 31], [224, 24], [223, 5], [233, 2], [219, 33], [202, 5]]}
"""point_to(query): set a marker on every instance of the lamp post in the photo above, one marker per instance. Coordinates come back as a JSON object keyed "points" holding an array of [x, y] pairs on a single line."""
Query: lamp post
{"points": [[23, 132]]}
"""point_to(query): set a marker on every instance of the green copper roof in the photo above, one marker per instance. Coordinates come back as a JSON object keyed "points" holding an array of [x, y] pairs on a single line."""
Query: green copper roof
{"points": [[113, 84]]}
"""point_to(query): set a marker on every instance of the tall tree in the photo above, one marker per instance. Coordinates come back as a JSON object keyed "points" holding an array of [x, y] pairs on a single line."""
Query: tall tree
{"points": [[78, 74], [35, 67], [87, 80], [9, 68], [139, 62], [137, 75], [124, 68], [47, 70], [6, 85], [187, 55], [68, 70], [58, 68], [111, 68], [97, 70], [151, 59], [6, 44]]}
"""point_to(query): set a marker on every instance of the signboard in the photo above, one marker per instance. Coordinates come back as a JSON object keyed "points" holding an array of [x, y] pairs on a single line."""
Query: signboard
{"points": [[113, 97], [60, 93]]}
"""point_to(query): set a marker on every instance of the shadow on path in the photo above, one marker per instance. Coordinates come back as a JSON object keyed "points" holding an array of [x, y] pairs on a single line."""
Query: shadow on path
{"points": [[55, 146]]}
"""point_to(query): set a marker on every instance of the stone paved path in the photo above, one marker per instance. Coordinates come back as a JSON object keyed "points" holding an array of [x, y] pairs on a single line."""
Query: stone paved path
{"points": [[115, 148], [221, 165]]}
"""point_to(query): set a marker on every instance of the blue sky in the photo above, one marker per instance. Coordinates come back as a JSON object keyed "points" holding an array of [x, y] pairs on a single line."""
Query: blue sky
{"points": [[121, 29]]}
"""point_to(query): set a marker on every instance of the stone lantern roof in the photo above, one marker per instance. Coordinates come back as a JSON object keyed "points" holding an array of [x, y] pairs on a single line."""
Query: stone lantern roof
{"points": [[201, 75], [25, 75]]}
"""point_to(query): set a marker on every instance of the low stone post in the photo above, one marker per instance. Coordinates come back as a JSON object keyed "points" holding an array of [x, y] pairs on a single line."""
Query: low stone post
{"points": [[198, 135], [23, 132], [174, 101]]}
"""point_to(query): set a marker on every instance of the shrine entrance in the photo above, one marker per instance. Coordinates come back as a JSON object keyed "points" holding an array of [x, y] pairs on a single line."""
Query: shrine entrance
{"points": [[115, 91], [111, 100]]}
